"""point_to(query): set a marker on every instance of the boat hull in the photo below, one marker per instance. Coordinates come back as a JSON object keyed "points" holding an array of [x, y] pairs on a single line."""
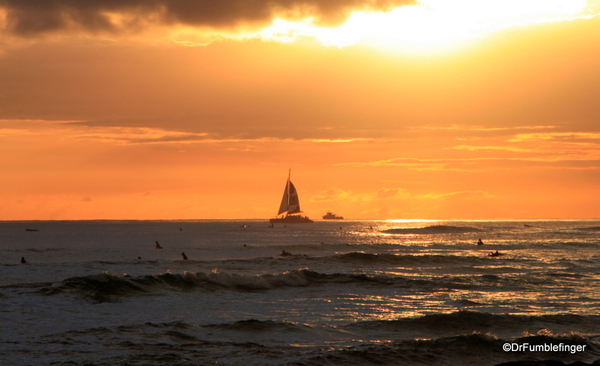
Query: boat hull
{"points": [[332, 216], [292, 220]]}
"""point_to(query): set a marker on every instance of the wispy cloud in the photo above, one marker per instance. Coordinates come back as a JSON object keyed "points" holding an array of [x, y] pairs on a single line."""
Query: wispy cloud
{"points": [[414, 163], [459, 194], [337, 194], [124, 135], [392, 194], [563, 136], [336, 141], [492, 148], [480, 128], [139, 135], [482, 163]]}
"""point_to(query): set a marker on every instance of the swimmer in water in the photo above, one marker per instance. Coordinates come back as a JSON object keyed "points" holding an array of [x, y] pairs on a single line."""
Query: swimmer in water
{"points": [[285, 254], [23, 260], [184, 256], [158, 245], [479, 242]]}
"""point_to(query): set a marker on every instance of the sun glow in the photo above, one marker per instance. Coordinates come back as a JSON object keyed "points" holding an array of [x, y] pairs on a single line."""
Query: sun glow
{"points": [[430, 25]]}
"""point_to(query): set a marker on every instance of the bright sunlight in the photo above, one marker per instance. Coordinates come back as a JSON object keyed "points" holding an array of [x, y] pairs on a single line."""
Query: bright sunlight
{"points": [[432, 25]]}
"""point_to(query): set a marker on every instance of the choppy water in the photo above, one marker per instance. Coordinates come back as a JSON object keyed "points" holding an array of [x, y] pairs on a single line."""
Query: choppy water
{"points": [[353, 293]]}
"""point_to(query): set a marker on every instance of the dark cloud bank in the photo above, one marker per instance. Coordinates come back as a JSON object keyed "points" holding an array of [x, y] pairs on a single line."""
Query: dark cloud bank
{"points": [[29, 18]]}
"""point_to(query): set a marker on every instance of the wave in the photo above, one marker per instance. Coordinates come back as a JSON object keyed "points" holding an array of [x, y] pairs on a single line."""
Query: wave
{"points": [[593, 228], [455, 324], [41, 250], [435, 229], [465, 322], [262, 342], [326, 247], [474, 349], [366, 258], [255, 325], [101, 287], [106, 287]]}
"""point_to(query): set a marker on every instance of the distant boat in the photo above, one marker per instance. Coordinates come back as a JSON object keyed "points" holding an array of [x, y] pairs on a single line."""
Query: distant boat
{"points": [[332, 216], [290, 205], [31, 230]]}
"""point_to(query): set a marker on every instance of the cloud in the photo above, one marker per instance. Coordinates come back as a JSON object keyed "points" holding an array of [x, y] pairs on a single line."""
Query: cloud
{"points": [[29, 18], [492, 148], [481, 128], [335, 141], [105, 132], [463, 195], [564, 136], [331, 195], [337, 194], [411, 163], [141, 135]]}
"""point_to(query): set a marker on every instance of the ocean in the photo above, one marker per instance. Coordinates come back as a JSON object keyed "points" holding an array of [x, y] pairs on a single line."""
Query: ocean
{"points": [[351, 292]]}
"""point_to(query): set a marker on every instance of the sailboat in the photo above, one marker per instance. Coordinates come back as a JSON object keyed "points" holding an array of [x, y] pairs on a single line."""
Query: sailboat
{"points": [[290, 205]]}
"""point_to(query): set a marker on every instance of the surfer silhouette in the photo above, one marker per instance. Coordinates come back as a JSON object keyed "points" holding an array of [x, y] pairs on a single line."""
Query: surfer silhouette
{"points": [[479, 242], [23, 260], [184, 256], [158, 245], [288, 254]]}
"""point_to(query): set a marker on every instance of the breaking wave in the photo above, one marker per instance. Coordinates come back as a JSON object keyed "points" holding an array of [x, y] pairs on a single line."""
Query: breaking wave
{"points": [[105, 287]]}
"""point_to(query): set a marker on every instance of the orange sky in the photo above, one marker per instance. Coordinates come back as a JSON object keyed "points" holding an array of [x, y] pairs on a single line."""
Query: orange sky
{"points": [[170, 109]]}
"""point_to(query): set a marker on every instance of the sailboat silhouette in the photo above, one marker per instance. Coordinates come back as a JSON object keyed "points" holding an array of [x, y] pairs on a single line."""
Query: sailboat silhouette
{"points": [[290, 205]]}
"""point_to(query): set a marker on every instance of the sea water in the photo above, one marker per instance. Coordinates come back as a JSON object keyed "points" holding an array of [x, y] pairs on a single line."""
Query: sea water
{"points": [[351, 293]]}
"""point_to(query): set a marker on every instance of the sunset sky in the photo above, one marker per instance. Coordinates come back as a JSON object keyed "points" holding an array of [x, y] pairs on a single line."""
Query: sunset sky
{"points": [[399, 109]]}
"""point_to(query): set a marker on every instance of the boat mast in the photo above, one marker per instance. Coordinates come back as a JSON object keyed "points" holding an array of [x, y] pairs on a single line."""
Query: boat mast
{"points": [[288, 190]]}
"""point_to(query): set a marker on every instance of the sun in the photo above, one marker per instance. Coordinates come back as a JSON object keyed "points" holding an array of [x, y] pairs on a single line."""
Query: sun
{"points": [[430, 25]]}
